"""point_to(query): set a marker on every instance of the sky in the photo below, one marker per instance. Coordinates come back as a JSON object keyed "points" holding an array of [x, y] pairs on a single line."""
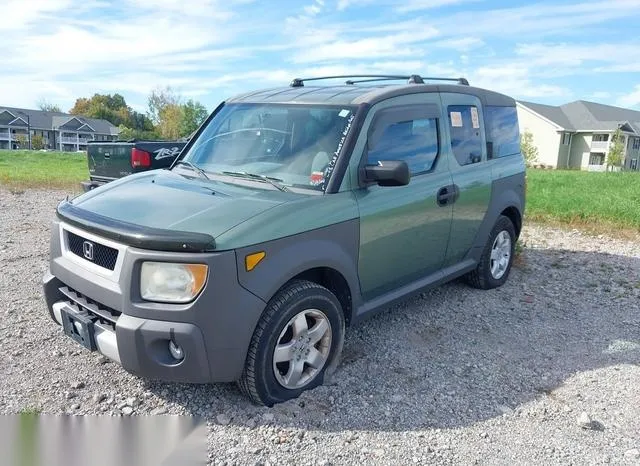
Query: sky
{"points": [[549, 52]]}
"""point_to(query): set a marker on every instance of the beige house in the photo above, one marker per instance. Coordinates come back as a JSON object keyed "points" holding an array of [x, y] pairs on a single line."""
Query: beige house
{"points": [[578, 134]]}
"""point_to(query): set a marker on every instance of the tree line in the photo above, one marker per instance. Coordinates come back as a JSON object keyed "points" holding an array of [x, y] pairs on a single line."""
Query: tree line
{"points": [[168, 116]]}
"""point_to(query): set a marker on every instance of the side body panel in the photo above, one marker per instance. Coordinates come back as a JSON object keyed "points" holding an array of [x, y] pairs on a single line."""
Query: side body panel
{"points": [[403, 231], [508, 191]]}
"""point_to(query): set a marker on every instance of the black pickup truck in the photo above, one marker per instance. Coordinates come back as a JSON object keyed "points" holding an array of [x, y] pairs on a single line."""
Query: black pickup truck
{"points": [[112, 160]]}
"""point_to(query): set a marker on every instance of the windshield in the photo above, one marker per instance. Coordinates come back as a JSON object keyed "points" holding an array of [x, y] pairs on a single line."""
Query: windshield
{"points": [[294, 145]]}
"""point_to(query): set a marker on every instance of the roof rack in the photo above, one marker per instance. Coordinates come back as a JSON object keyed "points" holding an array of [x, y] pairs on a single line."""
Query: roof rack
{"points": [[411, 79]]}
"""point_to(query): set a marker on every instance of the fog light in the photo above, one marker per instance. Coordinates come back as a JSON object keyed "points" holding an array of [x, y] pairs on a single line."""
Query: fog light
{"points": [[176, 350]]}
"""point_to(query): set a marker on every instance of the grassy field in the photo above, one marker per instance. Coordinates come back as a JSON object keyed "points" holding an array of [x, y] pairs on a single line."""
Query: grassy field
{"points": [[587, 200], [597, 201], [26, 169]]}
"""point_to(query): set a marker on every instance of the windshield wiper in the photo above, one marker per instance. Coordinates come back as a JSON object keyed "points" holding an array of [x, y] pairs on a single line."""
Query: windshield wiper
{"points": [[275, 182], [193, 167]]}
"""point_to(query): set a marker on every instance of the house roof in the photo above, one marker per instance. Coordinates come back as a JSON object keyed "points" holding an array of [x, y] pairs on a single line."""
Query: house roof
{"points": [[582, 115], [52, 120]]}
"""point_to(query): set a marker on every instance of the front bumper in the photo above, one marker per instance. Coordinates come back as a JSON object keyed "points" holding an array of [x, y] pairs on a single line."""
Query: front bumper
{"points": [[141, 346], [214, 331]]}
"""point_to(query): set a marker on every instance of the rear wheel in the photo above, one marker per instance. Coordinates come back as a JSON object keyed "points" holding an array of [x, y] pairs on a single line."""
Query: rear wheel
{"points": [[296, 344], [497, 257]]}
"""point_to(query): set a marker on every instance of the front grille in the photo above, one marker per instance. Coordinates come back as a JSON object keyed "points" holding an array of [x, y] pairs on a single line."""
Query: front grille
{"points": [[101, 255], [100, 312]]}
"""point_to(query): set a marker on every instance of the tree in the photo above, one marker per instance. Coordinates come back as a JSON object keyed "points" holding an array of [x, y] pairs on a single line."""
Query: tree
{"points": [[528, 148], [615, 158], [112, 108], [126, 133], [170, 117], [193, 114], [22, 140], [158, 100], [46, 106], [37, 142]]}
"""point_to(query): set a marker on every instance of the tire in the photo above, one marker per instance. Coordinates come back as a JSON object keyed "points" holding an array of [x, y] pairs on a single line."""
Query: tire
{"points": [[268, 383], [483, 277]]}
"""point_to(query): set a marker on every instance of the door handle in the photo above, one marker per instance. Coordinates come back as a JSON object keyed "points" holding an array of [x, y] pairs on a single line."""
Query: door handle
{"points": [[447, 195]]}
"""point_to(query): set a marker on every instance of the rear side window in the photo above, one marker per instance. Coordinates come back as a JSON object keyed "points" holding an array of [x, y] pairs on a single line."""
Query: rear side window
{"points": [[502, 130], [466, 136], [414, 141]]}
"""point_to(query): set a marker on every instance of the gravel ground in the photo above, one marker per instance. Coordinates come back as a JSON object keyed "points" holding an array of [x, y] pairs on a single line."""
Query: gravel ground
{"points": [[544, 370]]}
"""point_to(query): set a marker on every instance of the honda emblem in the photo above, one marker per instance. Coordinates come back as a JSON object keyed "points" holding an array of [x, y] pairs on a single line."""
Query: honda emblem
{"points": [[87, 250]]}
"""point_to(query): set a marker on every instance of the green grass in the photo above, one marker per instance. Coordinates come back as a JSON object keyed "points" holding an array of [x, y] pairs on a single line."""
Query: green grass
{"points": [[27, 169], [598, 201], [587, 200], [30, 411]]}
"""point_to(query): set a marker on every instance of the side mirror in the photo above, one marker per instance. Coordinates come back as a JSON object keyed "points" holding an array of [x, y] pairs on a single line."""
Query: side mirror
{"points": [[388, 173]]}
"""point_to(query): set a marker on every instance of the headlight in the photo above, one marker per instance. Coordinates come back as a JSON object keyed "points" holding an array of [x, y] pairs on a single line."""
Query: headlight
{"points": [[171, 283]]}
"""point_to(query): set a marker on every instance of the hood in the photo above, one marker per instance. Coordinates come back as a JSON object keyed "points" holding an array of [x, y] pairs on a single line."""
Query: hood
{"points": [[166, 204]]}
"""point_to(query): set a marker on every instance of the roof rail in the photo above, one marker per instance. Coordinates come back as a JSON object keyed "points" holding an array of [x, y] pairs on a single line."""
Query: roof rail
{"points": [[411, 79]]}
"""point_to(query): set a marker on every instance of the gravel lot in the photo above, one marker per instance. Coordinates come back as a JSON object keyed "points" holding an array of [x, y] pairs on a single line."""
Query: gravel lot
{"points": [[543, 370]]}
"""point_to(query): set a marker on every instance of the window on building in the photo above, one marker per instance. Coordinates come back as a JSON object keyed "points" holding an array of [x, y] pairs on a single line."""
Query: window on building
{"points": [[566, 139], [634, 164], [466, 137], [600, 137], [414, 141], [636, 143], [596, 159], [501, 124]]}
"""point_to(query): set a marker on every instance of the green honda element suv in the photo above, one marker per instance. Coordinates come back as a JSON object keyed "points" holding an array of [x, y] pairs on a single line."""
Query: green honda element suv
{"points": [[292, 214]]}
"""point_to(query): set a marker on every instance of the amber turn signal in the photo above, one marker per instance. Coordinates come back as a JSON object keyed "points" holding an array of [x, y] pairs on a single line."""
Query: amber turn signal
{"points": [[254, 259]]}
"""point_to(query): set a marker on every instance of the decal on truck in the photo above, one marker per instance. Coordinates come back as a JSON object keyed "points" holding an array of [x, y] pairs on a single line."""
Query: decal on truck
{"points": [[163, 153]]}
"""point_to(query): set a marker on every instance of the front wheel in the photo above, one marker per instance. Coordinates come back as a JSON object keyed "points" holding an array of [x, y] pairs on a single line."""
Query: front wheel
{"points": [[297, 342], [497, 257]]}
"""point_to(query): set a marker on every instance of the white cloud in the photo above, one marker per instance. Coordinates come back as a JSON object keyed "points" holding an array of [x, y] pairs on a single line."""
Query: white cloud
{"points": [[63, 49], [408, 6], [632, 99], [394, 45], [462, 44], [17, 14], [568, 55], [545, 18], [515, 80], [600, 95]]}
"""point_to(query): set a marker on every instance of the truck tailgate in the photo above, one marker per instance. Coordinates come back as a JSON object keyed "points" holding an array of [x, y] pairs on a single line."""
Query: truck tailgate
{"points": [[109, 161]]}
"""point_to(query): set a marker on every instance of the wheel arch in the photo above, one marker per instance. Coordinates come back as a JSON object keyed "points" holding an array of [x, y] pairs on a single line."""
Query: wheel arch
{"points": [[328, 258], [513, 213], [504, 201]]}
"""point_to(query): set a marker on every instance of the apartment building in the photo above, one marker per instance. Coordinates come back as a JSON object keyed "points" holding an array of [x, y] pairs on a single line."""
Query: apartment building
{"points": [[578, 134], [59, 131]]}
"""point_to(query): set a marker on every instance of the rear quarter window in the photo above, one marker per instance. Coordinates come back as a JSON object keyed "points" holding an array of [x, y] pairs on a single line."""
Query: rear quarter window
{"points": [[502, 130], [466, 136]]}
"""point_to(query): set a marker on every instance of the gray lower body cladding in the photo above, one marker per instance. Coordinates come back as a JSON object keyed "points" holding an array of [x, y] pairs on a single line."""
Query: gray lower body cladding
{"points": [[214, 331]]}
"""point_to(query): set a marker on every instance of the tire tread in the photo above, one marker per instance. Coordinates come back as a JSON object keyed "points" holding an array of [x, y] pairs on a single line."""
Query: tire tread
{"points": [[247, 382], [479, 277]]}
